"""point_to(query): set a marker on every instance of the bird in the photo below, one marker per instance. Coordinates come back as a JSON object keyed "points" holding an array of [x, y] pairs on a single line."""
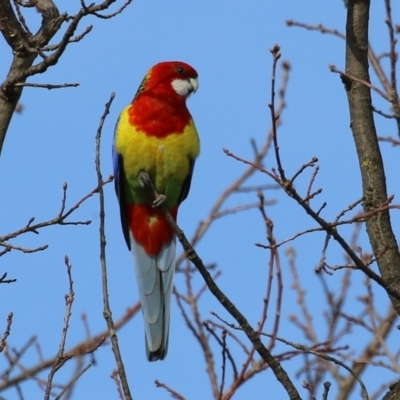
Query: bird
{"points": [[155, 147]]}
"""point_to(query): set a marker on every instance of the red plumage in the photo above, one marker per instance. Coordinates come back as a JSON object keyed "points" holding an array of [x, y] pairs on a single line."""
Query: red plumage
{"points": [[158, 110], [149, 227]]}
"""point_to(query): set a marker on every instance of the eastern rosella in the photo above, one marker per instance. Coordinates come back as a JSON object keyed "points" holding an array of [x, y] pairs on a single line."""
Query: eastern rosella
{"points": [[155, 134]]}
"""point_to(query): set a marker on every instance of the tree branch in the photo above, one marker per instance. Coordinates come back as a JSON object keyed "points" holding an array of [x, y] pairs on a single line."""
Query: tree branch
{"points": [[22, 45], [254, 336], [107, 310], [379, 227]]}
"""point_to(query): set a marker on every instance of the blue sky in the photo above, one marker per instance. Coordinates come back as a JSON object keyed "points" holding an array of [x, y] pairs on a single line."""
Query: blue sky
{"points": [[52, 142]]}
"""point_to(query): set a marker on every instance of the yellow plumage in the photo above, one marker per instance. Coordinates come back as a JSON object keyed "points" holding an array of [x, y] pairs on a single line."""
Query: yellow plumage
{"points": [[167, 159]]}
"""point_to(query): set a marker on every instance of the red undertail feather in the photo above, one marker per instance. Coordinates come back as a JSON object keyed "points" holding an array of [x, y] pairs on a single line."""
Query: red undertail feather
{"points": [[149, 227]]}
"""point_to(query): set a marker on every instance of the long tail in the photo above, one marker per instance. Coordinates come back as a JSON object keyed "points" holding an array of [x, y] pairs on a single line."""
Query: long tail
{"points": [[153, 247]]}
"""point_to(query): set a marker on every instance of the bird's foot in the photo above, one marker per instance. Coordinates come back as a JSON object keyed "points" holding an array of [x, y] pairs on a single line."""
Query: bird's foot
{"points": [[144, 179], [145, 182], [159, 200]]}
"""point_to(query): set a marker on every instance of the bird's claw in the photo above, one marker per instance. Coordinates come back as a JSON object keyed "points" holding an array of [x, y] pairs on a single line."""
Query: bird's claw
{"points": [[160, 200], [144, 179], [145, 182]]}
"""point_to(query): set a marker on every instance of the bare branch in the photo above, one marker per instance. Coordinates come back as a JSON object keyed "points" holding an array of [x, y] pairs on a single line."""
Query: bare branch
{"points": [[274, 117], [173, 393], [60, 219], [60, 358], [334, 360], [115, 378], [4, 280], [6, 334], [389, 139], [46, 85], [87, 346], [379, 227], [253, 335], [328, 227], [107, 311], [364, 82], [320, 28], [72, 382], [239, 182]]}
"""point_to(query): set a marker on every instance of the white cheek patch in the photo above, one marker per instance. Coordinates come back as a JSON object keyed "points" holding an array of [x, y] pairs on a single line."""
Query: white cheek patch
{"points": [[182, 87]]}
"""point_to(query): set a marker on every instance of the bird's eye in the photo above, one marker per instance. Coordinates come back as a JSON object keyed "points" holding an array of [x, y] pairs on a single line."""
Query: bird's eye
{"points": [[180, 70]]}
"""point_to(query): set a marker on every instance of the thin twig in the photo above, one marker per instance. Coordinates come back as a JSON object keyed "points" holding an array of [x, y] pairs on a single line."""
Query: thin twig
{"points": [[46, 85], [3, 278], [61, 358], [328, 227], [393, 54], [115, 378], [223, 346], [359, 80], [243, 178], [82, 348], [327, 386], [320, 28], [389, 139], [72, 382], [3, 340], [59, 219], [172, 392], [107, 310], [223, 367], [276, 55]]}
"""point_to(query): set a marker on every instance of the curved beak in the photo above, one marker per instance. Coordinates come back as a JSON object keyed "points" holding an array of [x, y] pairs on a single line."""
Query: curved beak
{"points": [[194, 83]]}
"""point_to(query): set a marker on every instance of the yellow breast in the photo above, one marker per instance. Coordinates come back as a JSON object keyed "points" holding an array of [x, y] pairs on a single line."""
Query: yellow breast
{"points": [[166, 159]]}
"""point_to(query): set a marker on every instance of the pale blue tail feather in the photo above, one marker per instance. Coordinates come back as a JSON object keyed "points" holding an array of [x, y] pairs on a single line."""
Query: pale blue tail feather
{"points": [[154, 275]]}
